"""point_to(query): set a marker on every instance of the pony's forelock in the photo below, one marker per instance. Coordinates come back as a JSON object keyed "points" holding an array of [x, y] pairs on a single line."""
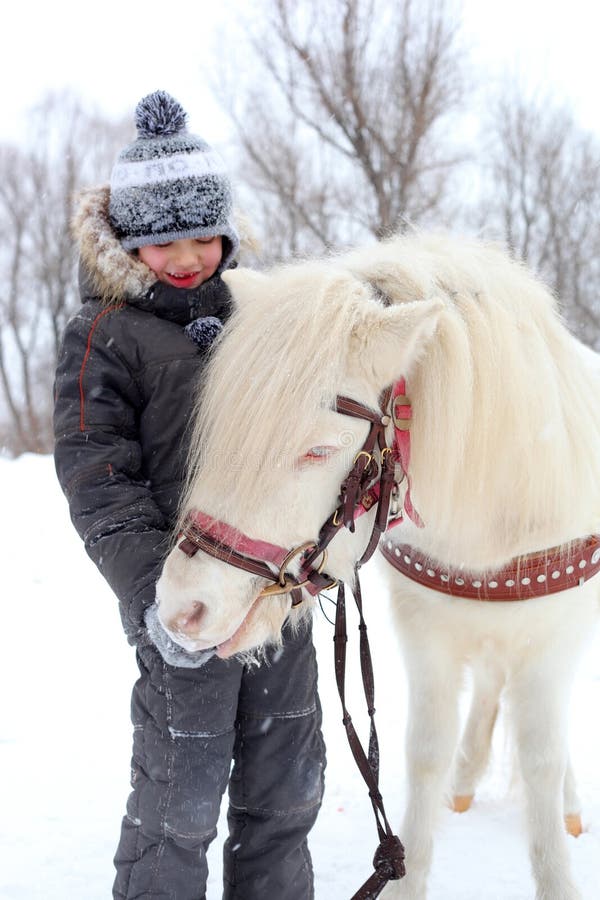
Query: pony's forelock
{"points": [[283, 356]]}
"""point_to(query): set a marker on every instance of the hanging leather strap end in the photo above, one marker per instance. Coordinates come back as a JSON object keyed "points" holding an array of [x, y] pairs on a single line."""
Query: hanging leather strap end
{"points": [[189, 547]]}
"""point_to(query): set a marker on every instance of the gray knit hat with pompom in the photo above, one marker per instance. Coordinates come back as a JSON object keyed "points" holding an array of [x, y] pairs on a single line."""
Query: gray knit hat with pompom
{"points": [[169, 184]]}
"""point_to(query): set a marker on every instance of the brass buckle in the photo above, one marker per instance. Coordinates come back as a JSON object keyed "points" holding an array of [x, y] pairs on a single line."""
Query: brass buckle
{"points": [[284, 584], [363, 453]]}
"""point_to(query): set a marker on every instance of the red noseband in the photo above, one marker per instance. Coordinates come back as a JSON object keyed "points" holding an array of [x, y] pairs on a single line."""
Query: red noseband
{"points": [[224, 542]]}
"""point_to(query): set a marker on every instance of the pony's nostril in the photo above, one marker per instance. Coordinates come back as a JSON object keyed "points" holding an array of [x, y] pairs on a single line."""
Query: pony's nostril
{"points": [[191, 621]]}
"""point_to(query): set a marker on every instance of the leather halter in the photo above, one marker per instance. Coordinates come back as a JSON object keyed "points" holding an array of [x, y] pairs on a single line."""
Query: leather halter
{"points": [[368, 483]]}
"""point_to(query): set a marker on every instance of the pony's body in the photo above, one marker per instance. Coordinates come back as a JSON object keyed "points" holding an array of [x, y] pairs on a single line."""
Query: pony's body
{"points": [[505, 460]]}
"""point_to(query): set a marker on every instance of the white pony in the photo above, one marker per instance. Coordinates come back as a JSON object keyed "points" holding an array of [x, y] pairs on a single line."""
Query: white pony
{"points": [[505, 460]]}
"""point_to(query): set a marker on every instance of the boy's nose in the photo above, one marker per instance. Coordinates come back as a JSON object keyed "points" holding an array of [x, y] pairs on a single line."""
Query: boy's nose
{"points": [[187, 257]]}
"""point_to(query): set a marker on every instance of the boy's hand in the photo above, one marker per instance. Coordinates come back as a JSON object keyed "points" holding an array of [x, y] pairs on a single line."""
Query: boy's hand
{"points": [[171, 652]]}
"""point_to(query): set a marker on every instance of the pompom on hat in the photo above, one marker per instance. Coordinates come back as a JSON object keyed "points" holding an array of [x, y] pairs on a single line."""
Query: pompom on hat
{"points": [[169, 184]]}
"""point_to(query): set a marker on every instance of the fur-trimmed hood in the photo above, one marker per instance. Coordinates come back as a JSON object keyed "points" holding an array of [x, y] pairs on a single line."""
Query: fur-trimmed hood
{"points": [[114, 274]]}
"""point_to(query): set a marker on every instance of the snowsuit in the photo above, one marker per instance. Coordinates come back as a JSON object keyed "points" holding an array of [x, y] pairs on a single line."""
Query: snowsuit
{"points": [[124, 385]]}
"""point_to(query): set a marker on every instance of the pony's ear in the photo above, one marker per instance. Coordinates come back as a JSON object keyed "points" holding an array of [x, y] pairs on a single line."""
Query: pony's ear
{"points": [[245, 284], [390, 340]]}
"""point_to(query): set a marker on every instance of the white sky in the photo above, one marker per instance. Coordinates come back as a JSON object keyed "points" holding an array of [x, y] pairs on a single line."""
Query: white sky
{"points": [[112, 52], [551, 43]]}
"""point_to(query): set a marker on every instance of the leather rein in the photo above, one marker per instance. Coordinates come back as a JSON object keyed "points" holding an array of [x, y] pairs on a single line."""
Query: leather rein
{"points": [[371, 481]]}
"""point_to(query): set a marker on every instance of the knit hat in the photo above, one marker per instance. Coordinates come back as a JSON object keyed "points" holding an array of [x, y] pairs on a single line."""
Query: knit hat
{"points": [[169, 184]]}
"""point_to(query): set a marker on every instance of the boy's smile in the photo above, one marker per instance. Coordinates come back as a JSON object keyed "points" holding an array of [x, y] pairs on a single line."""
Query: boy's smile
{"points": [[186, 263], [183, 279]]}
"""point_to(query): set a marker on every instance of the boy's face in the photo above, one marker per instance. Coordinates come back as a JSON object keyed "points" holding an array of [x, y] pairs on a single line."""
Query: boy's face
{"points": [[186, 263]]}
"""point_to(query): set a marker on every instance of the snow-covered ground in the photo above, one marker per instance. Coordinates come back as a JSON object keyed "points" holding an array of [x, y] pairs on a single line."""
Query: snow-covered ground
{"points": [[66, 673]]}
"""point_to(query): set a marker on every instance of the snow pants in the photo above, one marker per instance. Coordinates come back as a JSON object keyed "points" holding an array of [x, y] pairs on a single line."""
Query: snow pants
{"points": [[190, 725]]}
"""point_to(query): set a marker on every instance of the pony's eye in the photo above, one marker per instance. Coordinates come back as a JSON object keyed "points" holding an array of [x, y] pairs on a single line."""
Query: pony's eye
{"points": [[319, 453]]}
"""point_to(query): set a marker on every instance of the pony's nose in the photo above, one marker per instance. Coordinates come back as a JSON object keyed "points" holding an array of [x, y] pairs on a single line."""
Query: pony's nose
{"points": [[188, 623]]}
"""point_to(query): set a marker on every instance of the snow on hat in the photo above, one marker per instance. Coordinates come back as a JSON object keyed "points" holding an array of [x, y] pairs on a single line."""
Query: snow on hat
{"points": [[170, 184]]}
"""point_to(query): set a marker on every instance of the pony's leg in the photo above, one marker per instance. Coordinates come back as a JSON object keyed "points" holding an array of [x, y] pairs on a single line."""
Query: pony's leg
{"points": [[434, 677], [572, 803], [474, 751], [539, 699]]}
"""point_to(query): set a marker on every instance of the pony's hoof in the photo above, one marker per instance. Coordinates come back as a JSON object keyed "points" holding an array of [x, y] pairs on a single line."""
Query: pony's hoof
{"points": [[462, 802], [573, 824]]}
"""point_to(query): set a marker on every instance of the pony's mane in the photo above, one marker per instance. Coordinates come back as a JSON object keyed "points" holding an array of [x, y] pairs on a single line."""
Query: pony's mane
{"points": [[506, 424]]}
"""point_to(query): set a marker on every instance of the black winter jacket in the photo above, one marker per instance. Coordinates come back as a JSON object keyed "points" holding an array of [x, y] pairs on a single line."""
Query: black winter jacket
{"points": [[126, 378]]}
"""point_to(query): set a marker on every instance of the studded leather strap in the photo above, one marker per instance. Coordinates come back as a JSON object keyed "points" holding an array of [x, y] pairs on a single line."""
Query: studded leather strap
{"points": [[534, 575]]}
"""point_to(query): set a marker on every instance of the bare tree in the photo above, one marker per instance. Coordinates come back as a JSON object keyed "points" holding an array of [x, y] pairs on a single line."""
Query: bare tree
{"points": [[345, 125], [544, 201], [17, 339], [67, 148]]}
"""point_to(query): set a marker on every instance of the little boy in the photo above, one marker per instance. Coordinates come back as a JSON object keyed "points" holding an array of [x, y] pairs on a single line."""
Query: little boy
{"points": [[152, 249]]}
